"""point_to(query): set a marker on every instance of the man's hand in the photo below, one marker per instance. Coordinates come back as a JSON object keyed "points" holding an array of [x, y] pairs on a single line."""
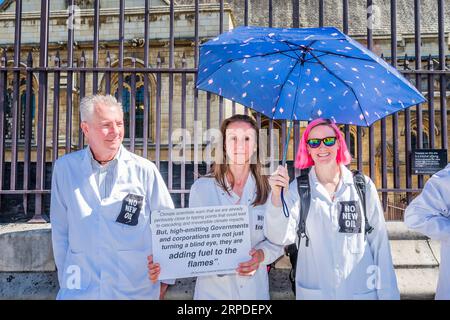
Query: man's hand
{"points": [[153, 269]]}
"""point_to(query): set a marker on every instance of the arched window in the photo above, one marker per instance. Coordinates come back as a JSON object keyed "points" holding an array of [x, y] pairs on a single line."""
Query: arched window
{"points": [[139, 95], [426, 130], [139, 105], [22, 109], [23, 101], [425, 141]]}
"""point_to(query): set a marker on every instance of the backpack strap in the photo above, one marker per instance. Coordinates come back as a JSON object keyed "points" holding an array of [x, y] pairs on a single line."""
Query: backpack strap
{"points": [[305, 198], [304, 191], [360, 183], [292, 251]]}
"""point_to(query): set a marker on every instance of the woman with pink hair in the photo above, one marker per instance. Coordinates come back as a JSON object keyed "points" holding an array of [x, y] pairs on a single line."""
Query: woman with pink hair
{"points": [[343, 247]]}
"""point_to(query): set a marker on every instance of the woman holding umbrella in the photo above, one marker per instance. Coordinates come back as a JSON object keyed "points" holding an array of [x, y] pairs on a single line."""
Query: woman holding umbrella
{"points": [[339, 258], [236, 179]]}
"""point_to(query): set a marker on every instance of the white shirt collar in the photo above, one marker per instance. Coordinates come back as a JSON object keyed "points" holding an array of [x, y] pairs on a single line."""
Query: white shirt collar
{"points": [[96, 164]]}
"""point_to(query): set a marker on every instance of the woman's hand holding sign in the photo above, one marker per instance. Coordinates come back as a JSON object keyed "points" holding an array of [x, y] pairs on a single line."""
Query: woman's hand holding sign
{"points": [[249, 267]]}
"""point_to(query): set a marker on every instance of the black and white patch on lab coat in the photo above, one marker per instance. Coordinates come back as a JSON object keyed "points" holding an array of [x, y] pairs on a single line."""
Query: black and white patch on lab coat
{"points": [[131, 208], [349, 217]]}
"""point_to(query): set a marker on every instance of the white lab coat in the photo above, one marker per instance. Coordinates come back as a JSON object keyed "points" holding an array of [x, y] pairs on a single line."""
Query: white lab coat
{"points": [[429, 213], [205, 192], [97, 257], [336, 265]]}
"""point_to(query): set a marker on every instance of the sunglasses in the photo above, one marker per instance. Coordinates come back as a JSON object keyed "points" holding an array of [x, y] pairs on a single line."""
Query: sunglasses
{"points": [[328, 141]]}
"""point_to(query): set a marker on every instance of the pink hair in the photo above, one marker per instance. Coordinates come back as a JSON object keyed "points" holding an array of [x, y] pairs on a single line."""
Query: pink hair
{"points": [[303, 159]]}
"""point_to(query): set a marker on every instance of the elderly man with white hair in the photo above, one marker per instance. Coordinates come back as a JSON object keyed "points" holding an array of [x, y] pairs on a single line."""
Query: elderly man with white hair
{"points": [[101, 200]]}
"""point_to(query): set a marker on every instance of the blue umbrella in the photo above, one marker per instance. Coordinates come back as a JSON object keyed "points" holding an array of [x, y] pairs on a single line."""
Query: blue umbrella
{"points": [[303, 74]]}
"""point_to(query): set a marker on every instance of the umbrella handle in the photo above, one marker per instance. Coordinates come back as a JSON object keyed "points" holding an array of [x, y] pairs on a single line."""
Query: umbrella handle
{"points": [[286, 145]]}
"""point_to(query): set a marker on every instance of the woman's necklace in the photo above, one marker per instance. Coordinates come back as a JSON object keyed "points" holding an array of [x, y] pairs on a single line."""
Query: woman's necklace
{"points": [[331, 188], [333, 193]]}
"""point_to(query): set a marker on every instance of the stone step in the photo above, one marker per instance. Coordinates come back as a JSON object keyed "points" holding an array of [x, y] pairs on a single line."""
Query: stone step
{"points": [[415, 284], [397, 230], [27, 267], [414, 254], [406, 254], [26, 247], [416, 264], [28, 285]]}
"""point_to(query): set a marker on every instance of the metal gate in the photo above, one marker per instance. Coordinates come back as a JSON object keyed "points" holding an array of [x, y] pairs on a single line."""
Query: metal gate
{"points": [[41, 85]]}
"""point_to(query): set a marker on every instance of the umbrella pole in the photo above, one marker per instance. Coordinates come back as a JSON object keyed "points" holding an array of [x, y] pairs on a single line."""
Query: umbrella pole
{"points": [[286, 143], [286, 146]]}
